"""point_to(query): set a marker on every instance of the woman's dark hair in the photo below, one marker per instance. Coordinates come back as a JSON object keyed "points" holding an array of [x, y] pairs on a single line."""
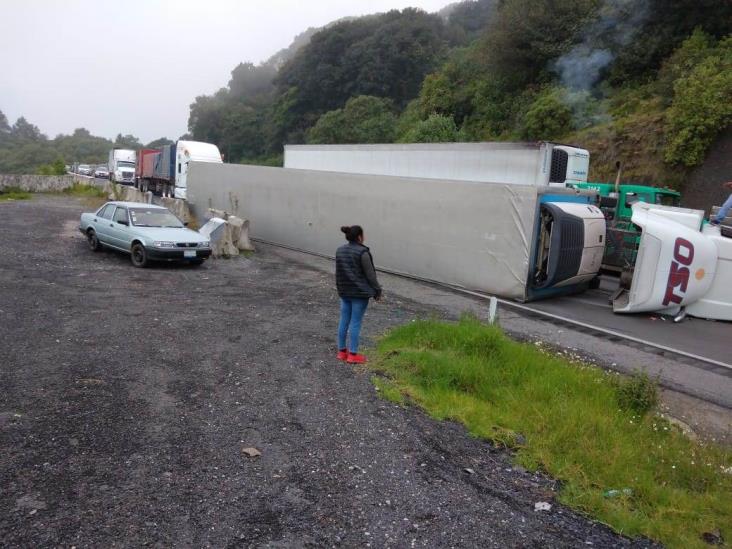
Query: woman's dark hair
{"points": [[352, 233]]}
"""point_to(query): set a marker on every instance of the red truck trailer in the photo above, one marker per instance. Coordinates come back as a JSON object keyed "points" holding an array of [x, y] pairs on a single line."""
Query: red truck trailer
{"points": [[145, 165]]}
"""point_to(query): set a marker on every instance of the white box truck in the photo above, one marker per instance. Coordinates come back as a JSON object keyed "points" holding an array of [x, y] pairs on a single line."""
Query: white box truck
{"points": [[537, 164], [121, 166]]}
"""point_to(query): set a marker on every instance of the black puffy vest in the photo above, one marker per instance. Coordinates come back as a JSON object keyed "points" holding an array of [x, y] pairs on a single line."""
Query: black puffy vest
{"points": [[350, 278]]}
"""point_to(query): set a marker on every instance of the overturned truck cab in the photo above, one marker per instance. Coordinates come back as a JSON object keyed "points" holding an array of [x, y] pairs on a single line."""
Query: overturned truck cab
{"points": [[681, 265]]}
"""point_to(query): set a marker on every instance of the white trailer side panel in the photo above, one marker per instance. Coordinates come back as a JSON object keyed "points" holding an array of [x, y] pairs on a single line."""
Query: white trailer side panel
{"points": [[512, 163], [474, 235]]}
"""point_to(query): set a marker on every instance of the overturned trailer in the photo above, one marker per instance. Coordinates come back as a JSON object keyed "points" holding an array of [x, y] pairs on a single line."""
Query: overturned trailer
{"points": [[517, 241]]}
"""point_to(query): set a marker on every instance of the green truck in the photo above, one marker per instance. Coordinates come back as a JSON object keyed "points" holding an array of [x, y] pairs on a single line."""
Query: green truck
{"points": [[621, 242]]}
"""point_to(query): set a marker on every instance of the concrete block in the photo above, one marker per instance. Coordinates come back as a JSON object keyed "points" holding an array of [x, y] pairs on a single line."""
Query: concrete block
{"points": [[178, 207], [219, 232]]}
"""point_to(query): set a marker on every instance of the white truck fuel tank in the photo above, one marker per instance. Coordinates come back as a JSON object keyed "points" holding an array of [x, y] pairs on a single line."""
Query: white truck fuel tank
{"points": [[678, 265]]}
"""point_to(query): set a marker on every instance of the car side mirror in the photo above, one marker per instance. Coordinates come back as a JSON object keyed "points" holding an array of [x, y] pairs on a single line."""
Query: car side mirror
{"points": [[127, 223]]}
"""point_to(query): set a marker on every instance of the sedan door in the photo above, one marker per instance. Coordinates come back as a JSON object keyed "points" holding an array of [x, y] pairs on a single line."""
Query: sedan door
{"points": [[101, 224], [119, 229]]}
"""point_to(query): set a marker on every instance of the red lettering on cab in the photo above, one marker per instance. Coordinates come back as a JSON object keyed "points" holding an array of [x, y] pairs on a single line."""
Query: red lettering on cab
{"points": [[678, 276]]}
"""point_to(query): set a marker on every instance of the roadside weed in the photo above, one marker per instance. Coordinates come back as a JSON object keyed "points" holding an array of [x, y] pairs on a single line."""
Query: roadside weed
{"points": [[570, 420], [80, 189], [14, 193]]}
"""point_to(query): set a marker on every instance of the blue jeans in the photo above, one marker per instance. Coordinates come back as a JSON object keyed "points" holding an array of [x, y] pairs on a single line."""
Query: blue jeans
{"points": [[724, 210], [352, 311]]}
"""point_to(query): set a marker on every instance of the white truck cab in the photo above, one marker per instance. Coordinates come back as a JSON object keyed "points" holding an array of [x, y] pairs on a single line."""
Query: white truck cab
{"points": [[679, 265], [191, 151], [121, 166]]}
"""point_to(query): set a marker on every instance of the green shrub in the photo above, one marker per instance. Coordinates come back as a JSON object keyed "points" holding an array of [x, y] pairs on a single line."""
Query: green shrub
{"points": [[637, 394], [548, 117], [702, 106], [80, 189], [13, 193], [436, 129], [364, 119]]}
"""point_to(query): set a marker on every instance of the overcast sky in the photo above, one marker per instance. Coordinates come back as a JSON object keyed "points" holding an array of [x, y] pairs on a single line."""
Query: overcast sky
{"points": [[134, 66]]}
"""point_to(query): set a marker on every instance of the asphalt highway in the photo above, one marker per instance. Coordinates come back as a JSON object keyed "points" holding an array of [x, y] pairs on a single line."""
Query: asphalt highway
{"points": [[700, 337]]}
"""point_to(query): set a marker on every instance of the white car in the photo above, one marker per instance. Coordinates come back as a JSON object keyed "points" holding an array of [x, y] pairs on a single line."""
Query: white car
{"points": [[145, 231]]}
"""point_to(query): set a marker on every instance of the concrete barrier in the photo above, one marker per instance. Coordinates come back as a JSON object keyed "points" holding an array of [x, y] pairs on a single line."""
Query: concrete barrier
{"points": [[237, 230], [127, 194], [179, 207], [37, 183]]}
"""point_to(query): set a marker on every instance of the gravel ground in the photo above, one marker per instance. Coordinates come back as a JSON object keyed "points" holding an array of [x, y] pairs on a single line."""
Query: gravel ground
{"points": [[128, 396]]}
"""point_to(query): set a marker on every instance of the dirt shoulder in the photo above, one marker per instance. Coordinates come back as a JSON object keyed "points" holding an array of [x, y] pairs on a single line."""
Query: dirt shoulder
{"points": [[128, 396]]}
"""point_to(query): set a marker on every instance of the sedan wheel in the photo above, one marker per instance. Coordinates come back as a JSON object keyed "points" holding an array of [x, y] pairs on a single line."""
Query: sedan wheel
{"points": [[93, 241], [138, 255]]}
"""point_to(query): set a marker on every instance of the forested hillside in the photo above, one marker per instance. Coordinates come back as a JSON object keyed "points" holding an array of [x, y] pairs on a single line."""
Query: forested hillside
{"points": [[24, 149], [646, 82]]}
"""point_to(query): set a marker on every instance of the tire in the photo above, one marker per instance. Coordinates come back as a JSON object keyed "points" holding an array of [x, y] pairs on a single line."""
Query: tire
{"points": [[138, 255], [91, 238]]}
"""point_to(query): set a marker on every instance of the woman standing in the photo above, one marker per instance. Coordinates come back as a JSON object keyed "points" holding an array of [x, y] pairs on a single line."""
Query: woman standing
{"points": [[356, 283]]}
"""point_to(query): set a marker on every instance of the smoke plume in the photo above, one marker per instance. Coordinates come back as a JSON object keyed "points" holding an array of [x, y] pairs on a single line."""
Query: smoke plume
{"points": [[617, 24]]}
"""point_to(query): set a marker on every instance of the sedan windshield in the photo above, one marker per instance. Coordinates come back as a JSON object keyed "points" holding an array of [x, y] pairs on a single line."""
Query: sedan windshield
{"points": [[154, 217]]}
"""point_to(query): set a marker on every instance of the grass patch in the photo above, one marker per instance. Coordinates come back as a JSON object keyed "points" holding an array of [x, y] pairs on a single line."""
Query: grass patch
{"points": [[575, 422], [83, 190], [13, 193]]}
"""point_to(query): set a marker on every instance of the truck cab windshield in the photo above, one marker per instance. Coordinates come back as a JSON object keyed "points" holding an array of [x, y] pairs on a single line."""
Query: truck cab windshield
{"points": [[668, 199], [124, 164], [142, 217]]}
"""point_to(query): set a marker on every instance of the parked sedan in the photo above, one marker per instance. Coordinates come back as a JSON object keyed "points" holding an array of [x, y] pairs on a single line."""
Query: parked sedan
{"points": [[146, 232], [102, 172]]}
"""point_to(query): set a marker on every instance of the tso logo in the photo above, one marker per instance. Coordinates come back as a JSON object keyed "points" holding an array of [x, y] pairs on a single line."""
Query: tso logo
{"points": [[678, 276]]}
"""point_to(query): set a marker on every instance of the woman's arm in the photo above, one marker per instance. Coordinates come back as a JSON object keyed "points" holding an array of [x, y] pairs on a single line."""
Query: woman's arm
{"points": [[367, 263]]}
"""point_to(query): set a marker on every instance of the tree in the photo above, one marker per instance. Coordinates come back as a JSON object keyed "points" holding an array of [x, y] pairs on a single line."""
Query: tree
{"points": [[4, 125], [364, 119], [436, 129], [667, 24], [4, 128], [386, 55], [160, 142], [473, 16], [251, 82], [205, 118], [526, 35], [127, 142], [22, 129], [548, 117]]}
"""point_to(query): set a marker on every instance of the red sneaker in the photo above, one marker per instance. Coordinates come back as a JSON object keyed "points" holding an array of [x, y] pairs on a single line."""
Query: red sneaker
{"points": [[355, 358], [342, 354]]}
